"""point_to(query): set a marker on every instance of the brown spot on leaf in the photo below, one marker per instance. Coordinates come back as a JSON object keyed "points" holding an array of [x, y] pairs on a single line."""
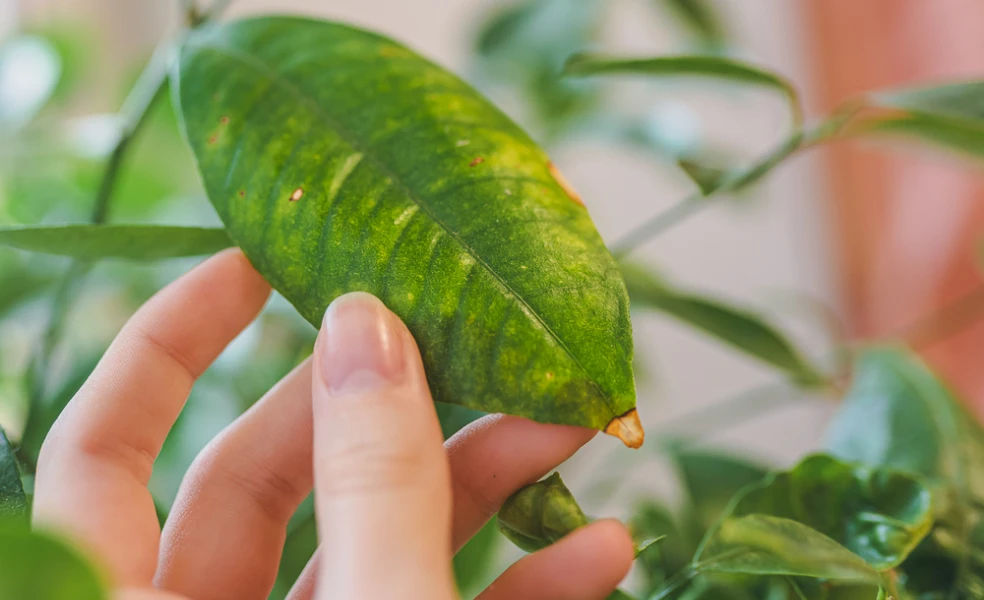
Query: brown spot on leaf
{"points": [[549, 376], [224, 120], [476, 161], [563, 183], [296, 195], [242, 193], [628, 428], [212, 139]]}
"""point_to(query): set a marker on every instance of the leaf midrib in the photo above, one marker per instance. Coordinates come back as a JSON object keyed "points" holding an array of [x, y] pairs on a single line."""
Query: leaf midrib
{"points": [[276, 79]]}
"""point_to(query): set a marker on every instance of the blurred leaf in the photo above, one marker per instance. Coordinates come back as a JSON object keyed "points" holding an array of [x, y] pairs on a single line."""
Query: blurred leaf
{"points": [[878, 513], [42, 416], [716, 67], [898, 414], [764, 545], [700, 17], [37, 566], [20, 281], [707, 178], [473, 563], [13, 501], [132, 242], [453, 418], [523, 47], [540, 514], [950, 115], [711, 480], [735, 326], [299, 547]]}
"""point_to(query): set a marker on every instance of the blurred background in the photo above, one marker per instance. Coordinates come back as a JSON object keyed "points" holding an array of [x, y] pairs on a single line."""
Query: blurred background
{"points": [[842, 243]]}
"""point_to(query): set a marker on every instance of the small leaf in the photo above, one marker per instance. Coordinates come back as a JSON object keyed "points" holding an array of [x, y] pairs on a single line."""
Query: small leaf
{"points": [[340, 160], [765, 545], [132, 242], [737, 327], [879, 514], [40, 567], [708, 179], [717, 67], [13, 501], [950, 115], [540, 514]]}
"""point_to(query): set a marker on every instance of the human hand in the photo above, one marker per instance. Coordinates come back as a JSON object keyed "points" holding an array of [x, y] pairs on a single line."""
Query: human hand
{"points": [[355, 422]]}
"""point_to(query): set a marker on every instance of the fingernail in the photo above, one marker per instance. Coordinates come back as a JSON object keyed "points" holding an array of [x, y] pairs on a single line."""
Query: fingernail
{"points": [[359, 346]]}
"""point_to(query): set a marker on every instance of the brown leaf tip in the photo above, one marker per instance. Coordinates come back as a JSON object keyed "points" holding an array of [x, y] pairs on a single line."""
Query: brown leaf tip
{"points": [[296, 195], [477, 161], [627, 428], [564, 184]]}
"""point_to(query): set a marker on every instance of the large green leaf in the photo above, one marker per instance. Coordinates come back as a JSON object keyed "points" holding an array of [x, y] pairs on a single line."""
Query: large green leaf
{"points": [[899, 414], [340, 160], [738, 327], [13, 501], [133, 242], [950, 115], [37, 566], [766, 545], [879, 514], [717, 67]]}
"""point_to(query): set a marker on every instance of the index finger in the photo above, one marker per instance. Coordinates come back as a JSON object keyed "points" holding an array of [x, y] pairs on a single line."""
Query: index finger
{"points": [[95, 464]]}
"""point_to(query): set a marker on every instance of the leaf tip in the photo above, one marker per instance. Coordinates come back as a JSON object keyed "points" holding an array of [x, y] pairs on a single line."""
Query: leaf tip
{"points": [[628, 428]]}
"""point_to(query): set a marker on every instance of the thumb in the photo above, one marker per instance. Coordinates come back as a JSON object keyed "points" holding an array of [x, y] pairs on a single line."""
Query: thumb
{"points": [[382, 481]]}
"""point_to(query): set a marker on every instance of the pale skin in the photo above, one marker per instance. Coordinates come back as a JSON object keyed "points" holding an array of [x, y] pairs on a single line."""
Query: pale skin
{"points": [[355, 423]]}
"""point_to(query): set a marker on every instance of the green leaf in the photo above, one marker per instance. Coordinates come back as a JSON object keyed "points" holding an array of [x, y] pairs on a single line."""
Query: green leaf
{"points": [[40, 567], [717, 67], [900, 415], [540, 514], [340, 160], [950, 115], [765, 545], [700, 17], [712, 479], [13, 501], [708, 179], [878, 513], [473, 563], [132, 242], [735, 326]]}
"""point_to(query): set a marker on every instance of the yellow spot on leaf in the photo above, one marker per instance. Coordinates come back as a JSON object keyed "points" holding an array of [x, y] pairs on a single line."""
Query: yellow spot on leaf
{"points": [[296, 195]]}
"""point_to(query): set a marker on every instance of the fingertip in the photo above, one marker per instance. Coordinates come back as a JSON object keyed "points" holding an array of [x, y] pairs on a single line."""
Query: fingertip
{"points": [[238, 268], [615, 545]]}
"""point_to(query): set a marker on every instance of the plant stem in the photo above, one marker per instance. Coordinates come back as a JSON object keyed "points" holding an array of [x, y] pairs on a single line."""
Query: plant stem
{"points": [[696, 202], [133, 113], [674, 583]]}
